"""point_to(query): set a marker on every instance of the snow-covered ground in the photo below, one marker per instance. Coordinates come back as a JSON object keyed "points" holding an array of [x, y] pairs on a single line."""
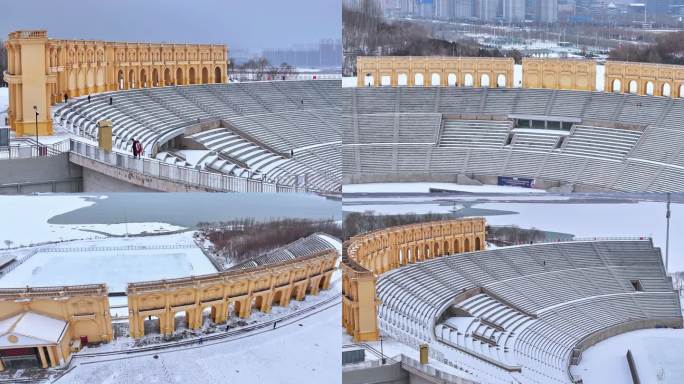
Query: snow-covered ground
{"points": [[33, 228], [425, 188], [108, 261], [657, 354], [349, 81], [305, 351]]}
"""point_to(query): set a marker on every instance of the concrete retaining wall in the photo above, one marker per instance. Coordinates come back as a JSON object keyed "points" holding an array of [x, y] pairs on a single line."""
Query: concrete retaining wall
{"points": [[40, 174]]}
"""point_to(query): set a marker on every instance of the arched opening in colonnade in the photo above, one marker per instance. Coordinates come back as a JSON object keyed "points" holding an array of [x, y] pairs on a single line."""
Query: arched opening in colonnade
{"points": [[468, 80], [181, 320], [466, 245], [484, 80], [419, 80], [452, 80], [435, 80], [402, 79], [191, 76], [501, 81], [650, 88], [167, 77], [633, 87], [217, 75], [152, 325], [617, 86], [131, 79], [143, 78], [385, 81], [120, 80], [666, 90], [179, 77], [205, 75], [478, 244], [155, 77]]}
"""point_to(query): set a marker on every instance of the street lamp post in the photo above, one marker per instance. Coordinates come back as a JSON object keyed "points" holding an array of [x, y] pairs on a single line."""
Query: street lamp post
{"points": [[37, 146]]}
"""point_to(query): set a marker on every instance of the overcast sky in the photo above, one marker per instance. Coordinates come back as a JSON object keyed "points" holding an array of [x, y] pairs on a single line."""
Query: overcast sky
{"points": [[242, 24]]}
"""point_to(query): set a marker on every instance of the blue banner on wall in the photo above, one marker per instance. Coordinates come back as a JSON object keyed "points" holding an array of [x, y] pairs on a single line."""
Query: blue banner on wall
{"points": [[515, 181]]}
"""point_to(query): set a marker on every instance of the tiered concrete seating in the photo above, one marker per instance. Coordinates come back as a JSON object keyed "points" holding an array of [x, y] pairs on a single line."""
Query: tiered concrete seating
{"points": [[536, 303], [277, 118], [299, 248], [474, 133], [601, 142], [622, 142]]}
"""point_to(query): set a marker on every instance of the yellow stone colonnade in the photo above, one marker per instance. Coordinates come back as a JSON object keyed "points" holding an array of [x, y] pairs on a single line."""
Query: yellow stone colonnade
{"points": [[573, 74], [434, 71], [227, 292], [42, 70], [369, 255], [645, 78], [85, 309]]}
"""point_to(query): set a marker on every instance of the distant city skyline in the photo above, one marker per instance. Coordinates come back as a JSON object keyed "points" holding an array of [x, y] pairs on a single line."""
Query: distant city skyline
{"points": [[242, 25]]}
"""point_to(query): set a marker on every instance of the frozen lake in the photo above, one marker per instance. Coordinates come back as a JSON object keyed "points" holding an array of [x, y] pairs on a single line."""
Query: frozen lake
{"points": [[580, 215]]}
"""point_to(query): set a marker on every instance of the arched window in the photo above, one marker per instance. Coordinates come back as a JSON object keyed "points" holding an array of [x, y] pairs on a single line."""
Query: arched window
{"points": [[501, 80], [484, 80], [179, 77], [617, 86], [650, 88], [667, 90], [633, 86], [191, 76], [205, 75]]}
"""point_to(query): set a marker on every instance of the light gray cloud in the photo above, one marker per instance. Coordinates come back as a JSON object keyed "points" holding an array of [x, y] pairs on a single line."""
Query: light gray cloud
{"points": [[241, 24]]}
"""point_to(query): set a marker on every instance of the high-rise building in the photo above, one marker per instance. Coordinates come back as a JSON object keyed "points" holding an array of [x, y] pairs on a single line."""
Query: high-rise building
{"points": [[547, 11], [425, 8], [463, 9], [514, 10], [444, 9], [487, 9], [657, 7]]}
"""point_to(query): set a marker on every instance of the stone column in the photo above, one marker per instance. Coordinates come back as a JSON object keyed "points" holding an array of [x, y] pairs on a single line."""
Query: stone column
{"points": [[41, 354]]}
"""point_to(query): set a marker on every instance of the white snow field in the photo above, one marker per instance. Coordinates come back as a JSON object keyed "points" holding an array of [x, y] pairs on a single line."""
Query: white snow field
{"points": [[35, 213], [306, 350], [425, 188], [657, 354], [108, 261]]}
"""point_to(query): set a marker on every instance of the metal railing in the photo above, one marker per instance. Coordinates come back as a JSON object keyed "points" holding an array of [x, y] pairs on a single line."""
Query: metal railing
{"points": [[31, 149], [180, 174]]}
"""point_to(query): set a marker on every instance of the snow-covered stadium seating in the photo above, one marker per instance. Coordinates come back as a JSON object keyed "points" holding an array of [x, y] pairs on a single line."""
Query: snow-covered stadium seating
{"points": [[530, 306], [617, 142], [268, 122], [299, 248]]}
